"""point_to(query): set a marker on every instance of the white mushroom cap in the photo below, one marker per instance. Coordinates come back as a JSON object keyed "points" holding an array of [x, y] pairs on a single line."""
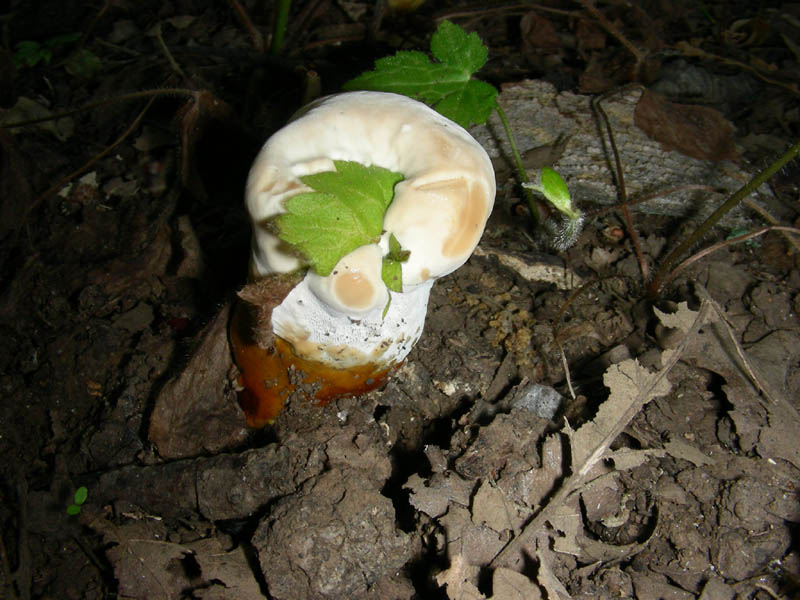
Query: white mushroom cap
{"points": [[438, 212]]}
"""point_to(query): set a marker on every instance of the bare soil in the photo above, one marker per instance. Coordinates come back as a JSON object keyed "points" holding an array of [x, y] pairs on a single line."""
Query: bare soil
{"points": [[115, 287]]}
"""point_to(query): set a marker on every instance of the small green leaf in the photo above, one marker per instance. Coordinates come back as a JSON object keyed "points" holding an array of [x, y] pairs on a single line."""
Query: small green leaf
{"points": [[392, 274], [30, 53], [553, 187], [80, 495], [446, 84], [73, 509], [344, 212], [392, 266]]}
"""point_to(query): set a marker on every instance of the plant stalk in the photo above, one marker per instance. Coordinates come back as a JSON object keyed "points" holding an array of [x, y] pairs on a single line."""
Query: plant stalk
{"points": [[714, 218], [522, 174], [279, 31]]}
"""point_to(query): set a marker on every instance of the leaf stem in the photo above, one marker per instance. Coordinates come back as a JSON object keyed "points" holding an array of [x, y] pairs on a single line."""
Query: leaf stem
{"points": [[279, 31], [714, 218], [522, 174]]}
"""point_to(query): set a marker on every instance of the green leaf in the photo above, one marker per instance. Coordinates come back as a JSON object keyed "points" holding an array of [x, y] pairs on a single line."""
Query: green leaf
{"points": [[454, 46], [344, 212], [81, 494], [445, 84], [29, 54], [73, 509], [553, 187], [392, 266]]}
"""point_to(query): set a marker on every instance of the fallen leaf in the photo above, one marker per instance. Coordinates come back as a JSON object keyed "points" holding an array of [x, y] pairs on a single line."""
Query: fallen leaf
{"points": [[491, 507], [434, 495], [510, 585], [697, 131], [458, 579]]}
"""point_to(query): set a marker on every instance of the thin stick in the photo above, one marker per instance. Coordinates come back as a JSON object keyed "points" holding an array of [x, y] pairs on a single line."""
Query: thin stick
{"points": [[765, 214], [621, 191], [255, 35], [611, 28], [104, 102], [64, 180], [651, 196], [172, 62]]}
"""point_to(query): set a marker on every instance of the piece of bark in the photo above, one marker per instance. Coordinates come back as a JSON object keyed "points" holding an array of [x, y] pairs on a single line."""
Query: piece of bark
{"points": [[540, 115], [197, 412]]}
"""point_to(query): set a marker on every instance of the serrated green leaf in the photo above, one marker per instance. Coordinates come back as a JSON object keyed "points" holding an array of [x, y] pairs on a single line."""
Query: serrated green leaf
{"points": [[344, 212], [446, 84], [454, 46], [29, 54]]}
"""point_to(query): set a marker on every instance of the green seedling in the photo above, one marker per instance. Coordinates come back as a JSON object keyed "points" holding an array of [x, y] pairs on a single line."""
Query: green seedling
{"points": [[446, 83], [30, 53], [564, 229], [80, 63], [77, 501]]}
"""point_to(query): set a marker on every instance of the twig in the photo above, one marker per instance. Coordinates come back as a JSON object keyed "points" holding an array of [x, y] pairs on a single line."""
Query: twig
{"points": [[612, 29], [64, 180], [255, 35], [741, 193], [175, 66], [651, 196], [621, 191], [103, 102], [557, 330], [693, 51]]}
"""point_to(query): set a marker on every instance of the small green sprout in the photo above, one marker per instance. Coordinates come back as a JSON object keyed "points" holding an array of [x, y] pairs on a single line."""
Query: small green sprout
{"points": [[77, 501], [29, 53], [564, 228]]}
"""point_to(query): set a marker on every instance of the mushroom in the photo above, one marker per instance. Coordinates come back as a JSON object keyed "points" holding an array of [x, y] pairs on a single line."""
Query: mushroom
{"points": [[346, 331]]}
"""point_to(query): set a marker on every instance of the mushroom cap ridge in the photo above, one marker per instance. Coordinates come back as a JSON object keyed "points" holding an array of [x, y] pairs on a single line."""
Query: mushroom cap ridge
{"points": [[439, 210]]}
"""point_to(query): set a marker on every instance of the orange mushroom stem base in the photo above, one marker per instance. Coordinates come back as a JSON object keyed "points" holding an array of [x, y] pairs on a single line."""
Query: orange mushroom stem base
{"points": [[264, 374]]}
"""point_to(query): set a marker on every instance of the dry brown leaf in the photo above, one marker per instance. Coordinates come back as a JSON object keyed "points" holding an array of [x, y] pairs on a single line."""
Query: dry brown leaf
{"points": [[547, 579], [631, 387], [697, 131], [491, 507], [680, 449], [434, 495], [458, 579], [510, 585]]}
